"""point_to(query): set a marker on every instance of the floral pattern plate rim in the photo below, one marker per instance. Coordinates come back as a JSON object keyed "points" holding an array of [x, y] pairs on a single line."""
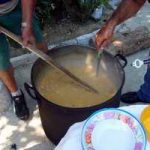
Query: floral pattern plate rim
{"points": [[117, 114]]}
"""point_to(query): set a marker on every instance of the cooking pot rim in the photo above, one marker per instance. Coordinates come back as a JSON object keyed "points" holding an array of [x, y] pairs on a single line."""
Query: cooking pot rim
{"points": [[74, 108]]}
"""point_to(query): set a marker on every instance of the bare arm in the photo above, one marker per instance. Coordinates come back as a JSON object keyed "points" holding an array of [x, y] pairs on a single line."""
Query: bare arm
{"points": [[28, 7], [126, 9]]}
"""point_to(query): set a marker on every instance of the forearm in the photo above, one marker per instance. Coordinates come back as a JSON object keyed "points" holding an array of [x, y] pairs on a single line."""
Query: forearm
{"points": [[126, 9], [28, 7]]}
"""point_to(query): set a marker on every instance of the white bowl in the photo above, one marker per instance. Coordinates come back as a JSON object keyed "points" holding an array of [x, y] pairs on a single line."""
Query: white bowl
{"points": [[113, 129]]}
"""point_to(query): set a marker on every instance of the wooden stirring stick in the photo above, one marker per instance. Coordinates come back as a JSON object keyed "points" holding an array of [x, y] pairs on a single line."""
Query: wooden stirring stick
{"points": [[48, 59]]}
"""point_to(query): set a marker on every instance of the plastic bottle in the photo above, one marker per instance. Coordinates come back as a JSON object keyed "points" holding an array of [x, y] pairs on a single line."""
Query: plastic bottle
{"points": [[97, 13]]}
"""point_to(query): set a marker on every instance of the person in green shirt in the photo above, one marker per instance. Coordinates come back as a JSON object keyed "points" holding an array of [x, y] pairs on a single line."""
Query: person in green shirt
{"points": [[18, 17]]}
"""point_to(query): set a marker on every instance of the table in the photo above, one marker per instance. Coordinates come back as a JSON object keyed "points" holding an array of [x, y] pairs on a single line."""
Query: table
{"points": [[72, 139]]}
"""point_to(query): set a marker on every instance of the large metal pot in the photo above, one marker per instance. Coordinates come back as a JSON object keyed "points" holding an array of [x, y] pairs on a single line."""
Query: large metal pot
{"points": [[56, 119]]}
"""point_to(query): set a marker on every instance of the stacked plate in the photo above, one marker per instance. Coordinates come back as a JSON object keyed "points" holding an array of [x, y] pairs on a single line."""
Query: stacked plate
{"points": [[113, 129]]}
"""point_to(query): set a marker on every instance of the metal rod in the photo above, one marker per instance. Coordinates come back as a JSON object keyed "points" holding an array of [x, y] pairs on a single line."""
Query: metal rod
{"points": [[98, 60], [49, 60]]}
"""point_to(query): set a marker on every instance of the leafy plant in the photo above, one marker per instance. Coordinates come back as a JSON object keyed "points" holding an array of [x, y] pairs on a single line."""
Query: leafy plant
{"points": [[88, 6], [81, 10], [48, 10], [43, 11], [92, 4]]}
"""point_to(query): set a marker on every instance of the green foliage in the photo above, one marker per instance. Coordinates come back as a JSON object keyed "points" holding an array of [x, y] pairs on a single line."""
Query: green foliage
{"points": [[92, 4], [89, 5], [43, 11], [47, 10]]}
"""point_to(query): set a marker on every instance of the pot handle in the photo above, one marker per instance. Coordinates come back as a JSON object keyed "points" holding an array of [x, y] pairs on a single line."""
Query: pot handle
{"points": [[123, 59], [28, 87]]}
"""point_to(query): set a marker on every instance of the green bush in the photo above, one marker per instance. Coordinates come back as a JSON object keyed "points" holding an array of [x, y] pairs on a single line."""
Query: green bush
{"points": [[92, 4], [77, 9], [89, 5], [43, 11]]}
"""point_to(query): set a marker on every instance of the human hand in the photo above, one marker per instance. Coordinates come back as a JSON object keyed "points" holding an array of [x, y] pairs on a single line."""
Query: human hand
{"points": [[104, 36], [27, 36]]}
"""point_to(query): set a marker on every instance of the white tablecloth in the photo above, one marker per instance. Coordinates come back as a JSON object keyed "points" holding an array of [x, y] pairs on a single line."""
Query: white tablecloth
{"points": [[72, 139]]}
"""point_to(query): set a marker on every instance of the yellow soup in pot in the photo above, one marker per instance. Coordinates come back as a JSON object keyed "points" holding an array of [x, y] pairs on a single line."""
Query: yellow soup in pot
{"points": [[61, 90]]}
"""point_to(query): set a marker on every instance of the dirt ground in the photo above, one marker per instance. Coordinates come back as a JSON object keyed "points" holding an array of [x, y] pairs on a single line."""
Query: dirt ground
{"points": [[59, 32], [65, 30]]}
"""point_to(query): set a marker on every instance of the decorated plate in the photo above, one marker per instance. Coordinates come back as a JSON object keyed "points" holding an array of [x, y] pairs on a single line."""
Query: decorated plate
{"points": [[113, 129]]}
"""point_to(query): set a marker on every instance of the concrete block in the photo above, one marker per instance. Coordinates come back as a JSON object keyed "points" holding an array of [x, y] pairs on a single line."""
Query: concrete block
{"points": [[69, 42], [23, 59], [84, 40]]}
